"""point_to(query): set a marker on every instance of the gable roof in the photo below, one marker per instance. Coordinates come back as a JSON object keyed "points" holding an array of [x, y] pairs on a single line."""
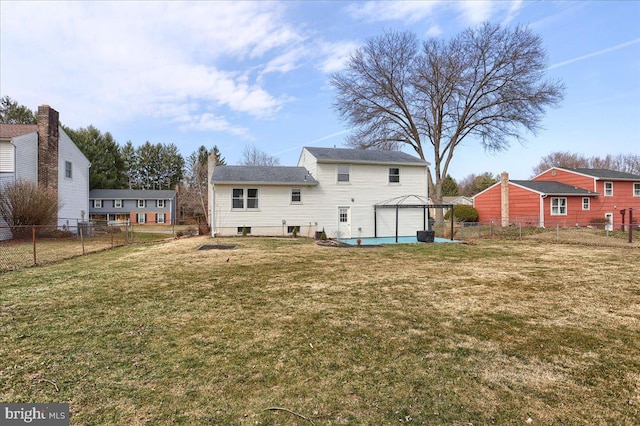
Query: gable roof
{"points": [[552, 188], [602, 173], [132, 194], [364, 156], [272, 175], [8, 131]]}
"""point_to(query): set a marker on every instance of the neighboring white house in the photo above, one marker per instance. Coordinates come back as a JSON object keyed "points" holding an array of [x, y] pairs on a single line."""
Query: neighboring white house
{"points": [[346, 192], [43, 153]]}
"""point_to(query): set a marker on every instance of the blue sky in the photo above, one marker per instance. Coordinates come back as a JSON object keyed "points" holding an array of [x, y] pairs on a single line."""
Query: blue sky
{"points": [[236, 74]]}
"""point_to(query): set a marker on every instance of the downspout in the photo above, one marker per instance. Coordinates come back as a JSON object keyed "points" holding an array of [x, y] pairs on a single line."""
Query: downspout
{"points": [[542, 198]]}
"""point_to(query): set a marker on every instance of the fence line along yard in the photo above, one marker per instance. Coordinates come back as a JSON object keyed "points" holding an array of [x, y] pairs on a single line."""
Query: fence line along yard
{"points": [[38, 245]]}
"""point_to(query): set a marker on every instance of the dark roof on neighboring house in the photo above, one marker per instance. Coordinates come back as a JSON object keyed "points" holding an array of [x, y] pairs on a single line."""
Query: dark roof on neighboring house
{"points": [[273, 175], [553, 188], [343, 155], [604, 173], [8, 131], [132, 194]]}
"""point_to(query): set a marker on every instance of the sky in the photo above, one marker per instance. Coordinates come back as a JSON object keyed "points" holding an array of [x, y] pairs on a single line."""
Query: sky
{"points": [[244, 74]]}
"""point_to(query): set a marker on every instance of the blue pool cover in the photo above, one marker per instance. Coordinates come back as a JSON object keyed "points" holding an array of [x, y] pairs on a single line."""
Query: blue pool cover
{"points": [[370, 241]]}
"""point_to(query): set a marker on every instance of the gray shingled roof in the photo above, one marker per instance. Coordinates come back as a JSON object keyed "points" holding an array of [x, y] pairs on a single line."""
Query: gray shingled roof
{"points": [[132, 194], [274, 175], [604, 173], [553, 188], [343, 155]]}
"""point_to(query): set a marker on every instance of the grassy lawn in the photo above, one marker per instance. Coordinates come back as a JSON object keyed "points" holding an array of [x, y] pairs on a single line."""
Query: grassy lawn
{"points": [[498, 332]]}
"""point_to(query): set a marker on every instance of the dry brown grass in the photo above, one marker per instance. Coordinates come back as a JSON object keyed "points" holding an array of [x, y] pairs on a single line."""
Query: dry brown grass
{"points": [[504, 332]]}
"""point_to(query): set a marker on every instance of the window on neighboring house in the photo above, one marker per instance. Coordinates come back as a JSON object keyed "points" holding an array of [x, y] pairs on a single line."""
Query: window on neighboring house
{"points": [[252, 198], [586, 203], [394, 175], [160, 203], [636, 189], [141, 218], [160, 218], [558, 206], [117, 204], [68, 169], [296, 195], [343, 173], [142, 204], [97, 204], [244, 229], [291, 228], [238, 199], [608, 189]]}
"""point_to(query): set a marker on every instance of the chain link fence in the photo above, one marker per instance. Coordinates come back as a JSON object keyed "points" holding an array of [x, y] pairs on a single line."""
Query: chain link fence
{"points": [[24, 246], [599, 234]]}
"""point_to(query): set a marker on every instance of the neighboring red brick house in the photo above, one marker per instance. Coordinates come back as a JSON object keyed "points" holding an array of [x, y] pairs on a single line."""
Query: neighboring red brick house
{"points": [[562, 196]]}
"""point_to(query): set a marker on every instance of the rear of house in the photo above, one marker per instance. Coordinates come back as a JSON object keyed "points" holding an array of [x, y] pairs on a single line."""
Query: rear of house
{"points": [[331, 189]]}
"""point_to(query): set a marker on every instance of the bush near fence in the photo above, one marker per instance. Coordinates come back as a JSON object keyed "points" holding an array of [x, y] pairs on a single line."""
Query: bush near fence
{"points": [[38, 245]]}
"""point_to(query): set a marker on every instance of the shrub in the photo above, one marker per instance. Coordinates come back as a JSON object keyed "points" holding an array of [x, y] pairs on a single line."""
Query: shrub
{"points": [[323, 235], [23, 203], [463, 213], [244, 231], [599, 222]]}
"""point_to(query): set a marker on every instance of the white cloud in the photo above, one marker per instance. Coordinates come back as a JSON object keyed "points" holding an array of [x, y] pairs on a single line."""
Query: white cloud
{"points": [[335, 55], [120, 61], [211, 122], [475, 12], [374, 11]]}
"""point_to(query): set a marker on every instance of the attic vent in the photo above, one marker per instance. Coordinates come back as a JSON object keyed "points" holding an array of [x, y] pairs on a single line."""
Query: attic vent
{"points": [[553, 172]]}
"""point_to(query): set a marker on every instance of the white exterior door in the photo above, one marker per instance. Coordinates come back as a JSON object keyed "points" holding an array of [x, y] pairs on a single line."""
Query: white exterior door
{"points": [[344, 222], [609, 225]]}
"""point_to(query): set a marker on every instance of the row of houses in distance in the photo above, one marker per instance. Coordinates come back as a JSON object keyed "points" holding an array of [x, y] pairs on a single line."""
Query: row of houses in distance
{"points": [[345, 192]]}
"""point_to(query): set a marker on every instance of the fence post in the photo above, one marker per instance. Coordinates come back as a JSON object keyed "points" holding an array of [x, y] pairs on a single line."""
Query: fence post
{"points": [[520, 225], [557, 232], [81, 239], [33, 236]]}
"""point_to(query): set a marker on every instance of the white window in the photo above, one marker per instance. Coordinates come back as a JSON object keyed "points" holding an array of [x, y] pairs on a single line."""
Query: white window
{"points": [[344, 173], [586, 203], [160, 218], [141, 218], [252, 198], [160, 203], [97, 204], [296, 195], [558, 206], [636, 189], [68, 169], [142, 204], [394, 175], [608, 189], [237, 201], [117, 204]]}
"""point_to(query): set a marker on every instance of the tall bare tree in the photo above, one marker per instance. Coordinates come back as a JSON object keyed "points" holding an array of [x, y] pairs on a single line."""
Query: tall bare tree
{"points": [[253, 156], [485, 84], [194, 195]]}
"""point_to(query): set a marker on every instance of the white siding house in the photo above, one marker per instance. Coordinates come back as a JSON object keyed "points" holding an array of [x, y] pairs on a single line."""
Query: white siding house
{"points": [[341, 191], [45, 154]]}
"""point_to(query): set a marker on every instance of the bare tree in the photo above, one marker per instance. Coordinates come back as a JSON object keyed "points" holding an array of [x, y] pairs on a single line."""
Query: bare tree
{"points": [[628, 163], [486, 83], [253, 156]]}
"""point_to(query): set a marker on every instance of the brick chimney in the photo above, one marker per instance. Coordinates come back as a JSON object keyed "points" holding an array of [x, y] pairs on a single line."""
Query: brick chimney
{"points": [[504, 199], [48, 121]]}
